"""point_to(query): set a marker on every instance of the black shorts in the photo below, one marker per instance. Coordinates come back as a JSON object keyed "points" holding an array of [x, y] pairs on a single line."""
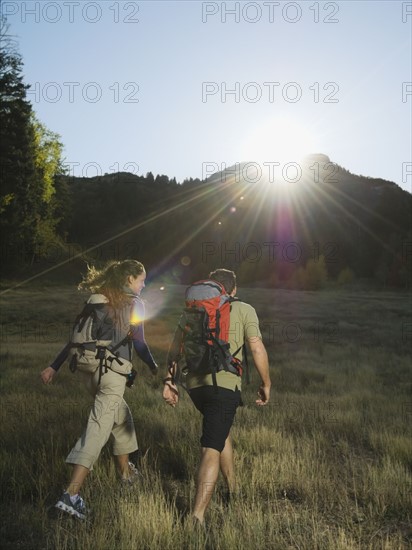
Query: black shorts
{"points": [[218, 409]]}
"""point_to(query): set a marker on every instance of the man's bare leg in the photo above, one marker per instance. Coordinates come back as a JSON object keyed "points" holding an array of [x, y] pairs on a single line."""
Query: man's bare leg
{"points": [[227, 466], [206, 480], [123, 465]]}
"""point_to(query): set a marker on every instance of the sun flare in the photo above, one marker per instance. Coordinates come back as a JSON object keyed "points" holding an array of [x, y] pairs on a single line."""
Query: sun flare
{"points": [[281, 139]]}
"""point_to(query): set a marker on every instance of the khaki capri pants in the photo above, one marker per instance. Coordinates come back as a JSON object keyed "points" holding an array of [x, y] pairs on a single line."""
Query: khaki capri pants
{"points": [[109, 416]]}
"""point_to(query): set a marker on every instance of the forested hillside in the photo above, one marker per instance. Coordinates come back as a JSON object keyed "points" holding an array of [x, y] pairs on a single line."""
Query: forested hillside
{"points": [[268, 231]]}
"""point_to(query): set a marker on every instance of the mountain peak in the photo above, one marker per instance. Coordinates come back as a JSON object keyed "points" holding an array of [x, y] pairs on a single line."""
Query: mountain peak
{"points": [[316, 157]]}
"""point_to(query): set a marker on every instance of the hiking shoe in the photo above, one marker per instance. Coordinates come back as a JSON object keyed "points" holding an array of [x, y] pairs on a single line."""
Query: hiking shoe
{"points": [[134, 475], [78, 509]]}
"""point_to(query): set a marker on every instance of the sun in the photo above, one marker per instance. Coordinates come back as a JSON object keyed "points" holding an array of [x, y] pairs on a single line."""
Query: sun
{"points": [[280, 139]]}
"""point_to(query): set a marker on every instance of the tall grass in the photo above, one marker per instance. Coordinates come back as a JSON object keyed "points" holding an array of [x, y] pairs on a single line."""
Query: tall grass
{"points": [[326, 465]]}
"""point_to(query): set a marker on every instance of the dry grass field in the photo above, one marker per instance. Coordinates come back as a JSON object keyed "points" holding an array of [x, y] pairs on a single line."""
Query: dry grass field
{"points": [[326, 465]]}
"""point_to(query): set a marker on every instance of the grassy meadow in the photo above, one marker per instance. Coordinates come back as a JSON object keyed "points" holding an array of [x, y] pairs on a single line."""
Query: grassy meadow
{"points": [[326, 465]]}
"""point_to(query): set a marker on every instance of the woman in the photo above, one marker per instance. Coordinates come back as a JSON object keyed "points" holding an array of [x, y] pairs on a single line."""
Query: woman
{"points": [[118, 286]]}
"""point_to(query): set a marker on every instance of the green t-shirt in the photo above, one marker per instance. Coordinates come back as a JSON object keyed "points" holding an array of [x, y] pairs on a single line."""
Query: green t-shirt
{"points": [[244, 324]]}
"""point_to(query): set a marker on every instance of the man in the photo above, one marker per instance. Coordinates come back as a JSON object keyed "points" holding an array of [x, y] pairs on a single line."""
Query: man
{"points": [[219, 407]]}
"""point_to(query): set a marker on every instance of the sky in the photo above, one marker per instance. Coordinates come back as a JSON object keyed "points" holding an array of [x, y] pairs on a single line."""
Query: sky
{"points": [[187, 88]]}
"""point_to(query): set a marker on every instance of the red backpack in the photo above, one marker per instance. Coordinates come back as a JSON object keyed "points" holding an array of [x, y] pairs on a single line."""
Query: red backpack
{"points": [[205, 325]]}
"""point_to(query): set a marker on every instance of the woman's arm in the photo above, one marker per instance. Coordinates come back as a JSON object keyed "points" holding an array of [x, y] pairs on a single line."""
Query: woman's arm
{"points": [[48, 373], [141, 347]]}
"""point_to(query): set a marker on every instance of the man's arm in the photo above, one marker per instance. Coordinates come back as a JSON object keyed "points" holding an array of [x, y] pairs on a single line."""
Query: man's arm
{"points": [[260, 358]]}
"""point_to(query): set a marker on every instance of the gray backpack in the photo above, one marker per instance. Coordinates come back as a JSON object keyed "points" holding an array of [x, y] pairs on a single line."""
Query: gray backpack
{"points": [[97, 339]]}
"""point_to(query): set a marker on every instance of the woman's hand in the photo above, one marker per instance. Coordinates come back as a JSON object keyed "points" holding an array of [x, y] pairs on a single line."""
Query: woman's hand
{"points": [[154, 369], [47, 375]]}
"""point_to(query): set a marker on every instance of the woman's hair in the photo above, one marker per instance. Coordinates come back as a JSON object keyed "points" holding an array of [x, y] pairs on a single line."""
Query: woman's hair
{"points": [[225, 277], [111, 280]]}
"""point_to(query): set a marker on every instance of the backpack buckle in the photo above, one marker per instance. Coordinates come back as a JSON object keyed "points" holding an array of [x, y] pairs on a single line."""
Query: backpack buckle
{"points": [[100, 352]]}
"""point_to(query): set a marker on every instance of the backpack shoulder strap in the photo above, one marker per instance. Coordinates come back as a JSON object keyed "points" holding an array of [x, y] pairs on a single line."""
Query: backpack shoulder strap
{"points": [[243, 347], [98, 299]]}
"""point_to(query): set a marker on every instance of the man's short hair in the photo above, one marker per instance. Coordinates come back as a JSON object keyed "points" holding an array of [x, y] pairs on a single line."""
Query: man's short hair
{"points": [[225, 277]]}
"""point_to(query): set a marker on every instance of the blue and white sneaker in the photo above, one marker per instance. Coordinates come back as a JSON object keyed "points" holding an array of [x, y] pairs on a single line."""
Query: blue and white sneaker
{"points": [[77, 509]]}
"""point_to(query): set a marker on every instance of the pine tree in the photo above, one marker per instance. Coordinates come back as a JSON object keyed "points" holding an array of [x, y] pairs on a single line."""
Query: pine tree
{"points": [[18, 194], [30, 159]]}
